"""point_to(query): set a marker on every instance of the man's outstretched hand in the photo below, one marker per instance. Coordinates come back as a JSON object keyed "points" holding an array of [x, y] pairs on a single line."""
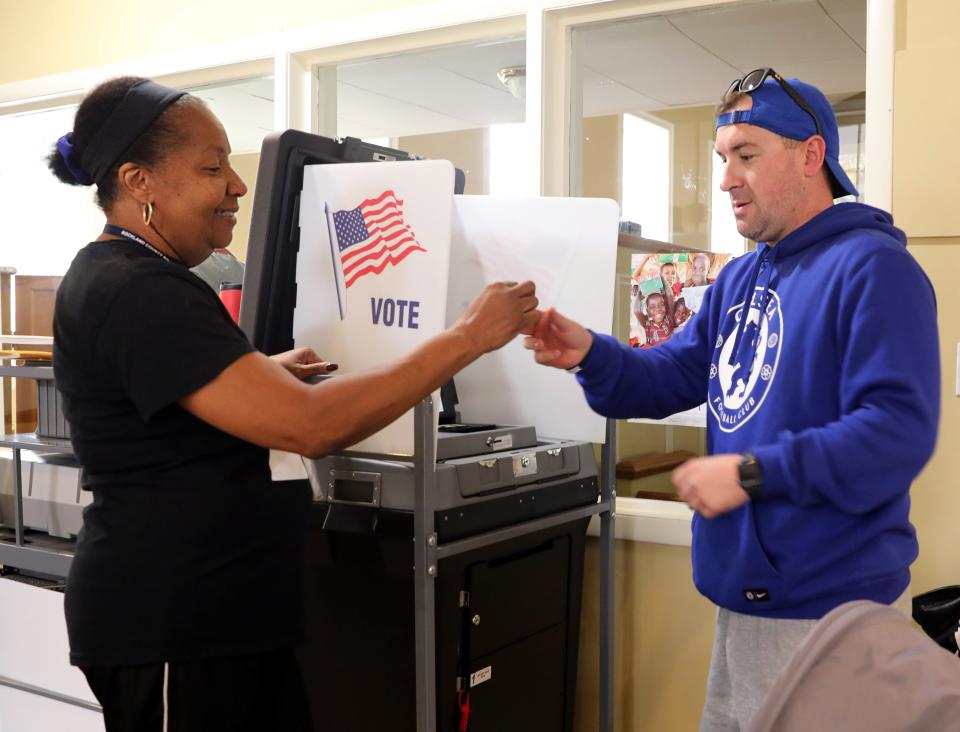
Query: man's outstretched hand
{"points": [[558, 341]]}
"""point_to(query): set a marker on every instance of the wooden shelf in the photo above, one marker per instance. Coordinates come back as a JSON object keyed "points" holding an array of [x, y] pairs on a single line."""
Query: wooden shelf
{"points": [[654, 463], [641, 244]]}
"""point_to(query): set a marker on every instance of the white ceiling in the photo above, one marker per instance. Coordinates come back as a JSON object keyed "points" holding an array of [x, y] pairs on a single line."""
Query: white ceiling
{"points": [[678, 60], [245, 108]]}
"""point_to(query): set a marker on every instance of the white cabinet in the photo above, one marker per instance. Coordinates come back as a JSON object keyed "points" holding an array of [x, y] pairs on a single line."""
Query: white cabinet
{"points": [[34, 651], [21, 711]]}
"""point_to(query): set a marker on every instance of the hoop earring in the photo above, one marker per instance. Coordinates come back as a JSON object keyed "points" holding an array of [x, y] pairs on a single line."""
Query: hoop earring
{"points": [[147, 213]]}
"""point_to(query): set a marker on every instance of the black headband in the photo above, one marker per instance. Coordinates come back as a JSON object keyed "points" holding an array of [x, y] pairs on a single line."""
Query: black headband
{"points": [[138, 109]]}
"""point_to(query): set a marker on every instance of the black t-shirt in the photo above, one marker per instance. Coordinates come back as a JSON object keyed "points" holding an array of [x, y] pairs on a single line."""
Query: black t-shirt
{"points": [[187, 550]]}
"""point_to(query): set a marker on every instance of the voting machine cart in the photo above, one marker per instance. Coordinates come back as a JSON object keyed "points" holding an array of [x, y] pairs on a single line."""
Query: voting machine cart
{"points": [[443, 589]]}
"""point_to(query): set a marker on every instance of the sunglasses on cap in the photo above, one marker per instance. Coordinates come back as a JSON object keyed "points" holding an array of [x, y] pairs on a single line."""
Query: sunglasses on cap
{"points": [[752, 80]]}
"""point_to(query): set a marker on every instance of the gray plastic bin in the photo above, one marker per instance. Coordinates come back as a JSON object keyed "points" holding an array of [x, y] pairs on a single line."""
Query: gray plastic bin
{"points": [[50, 419]]}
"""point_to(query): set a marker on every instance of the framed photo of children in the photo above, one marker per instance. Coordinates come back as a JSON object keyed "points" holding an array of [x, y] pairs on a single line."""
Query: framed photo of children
{"points": [[666, 291]]}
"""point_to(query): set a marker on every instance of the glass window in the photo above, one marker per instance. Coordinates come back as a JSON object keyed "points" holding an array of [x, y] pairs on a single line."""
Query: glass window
{"points": [[673, 69], [461, 103], [47, 221], [851, 151], [506, 148], [245, 108], [724, 236], [57, 219], [647, 154]]}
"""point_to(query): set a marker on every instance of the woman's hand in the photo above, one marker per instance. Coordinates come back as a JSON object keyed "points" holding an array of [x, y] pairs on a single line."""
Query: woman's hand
{"points": [[498, 314], [303, 363]]}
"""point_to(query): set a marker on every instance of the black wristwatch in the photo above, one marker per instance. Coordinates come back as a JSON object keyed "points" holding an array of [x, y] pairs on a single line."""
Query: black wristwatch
{"points": [[751, 475]]}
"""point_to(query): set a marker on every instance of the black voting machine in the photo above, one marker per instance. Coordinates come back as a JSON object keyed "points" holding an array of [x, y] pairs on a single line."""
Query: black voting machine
{"points": [[506, 584]]}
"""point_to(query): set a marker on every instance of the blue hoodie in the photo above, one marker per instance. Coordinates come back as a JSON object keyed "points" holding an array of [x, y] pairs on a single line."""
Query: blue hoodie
{"points": [[835, 389]]}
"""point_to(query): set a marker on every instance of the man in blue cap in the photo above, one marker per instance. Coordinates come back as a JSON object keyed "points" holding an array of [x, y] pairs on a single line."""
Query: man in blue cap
{"points": [[817, 355]]}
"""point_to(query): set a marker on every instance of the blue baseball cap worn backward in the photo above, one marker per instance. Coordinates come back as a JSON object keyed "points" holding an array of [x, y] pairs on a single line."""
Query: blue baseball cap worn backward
{"points": [[774, 110]]}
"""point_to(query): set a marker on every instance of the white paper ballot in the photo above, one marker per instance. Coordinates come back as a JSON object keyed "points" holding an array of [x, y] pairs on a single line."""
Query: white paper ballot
{"points": [[568, 247]]}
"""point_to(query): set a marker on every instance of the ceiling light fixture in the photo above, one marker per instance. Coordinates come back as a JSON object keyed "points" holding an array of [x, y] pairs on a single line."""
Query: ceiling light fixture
{"points": [[515, 79]]}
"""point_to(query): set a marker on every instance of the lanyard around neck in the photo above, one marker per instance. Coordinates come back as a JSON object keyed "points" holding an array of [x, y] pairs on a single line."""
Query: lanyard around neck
{"points": [[127, 234]]}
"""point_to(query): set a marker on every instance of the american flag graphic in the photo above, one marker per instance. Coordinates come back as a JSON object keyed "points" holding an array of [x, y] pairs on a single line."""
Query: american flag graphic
{"points": [[373, 235]]}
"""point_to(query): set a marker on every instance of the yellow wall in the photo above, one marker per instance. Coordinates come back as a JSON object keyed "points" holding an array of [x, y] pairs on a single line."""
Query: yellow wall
{"points": [[664, 632], [926, 118], [936, 499], [466, 149], [692, 167], [246, 166], [925, 163], [44, 37], [600, 168]]}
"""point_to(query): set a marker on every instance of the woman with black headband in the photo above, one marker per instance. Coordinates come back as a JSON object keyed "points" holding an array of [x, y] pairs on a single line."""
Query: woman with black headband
{"points": [[183, 600]]}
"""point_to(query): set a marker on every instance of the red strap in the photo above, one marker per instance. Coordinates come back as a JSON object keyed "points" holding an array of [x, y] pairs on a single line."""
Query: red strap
{"points": [[463, 701]]}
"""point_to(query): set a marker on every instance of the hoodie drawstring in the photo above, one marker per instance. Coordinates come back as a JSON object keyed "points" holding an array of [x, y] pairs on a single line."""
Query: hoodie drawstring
{"points": [[745, 349]]}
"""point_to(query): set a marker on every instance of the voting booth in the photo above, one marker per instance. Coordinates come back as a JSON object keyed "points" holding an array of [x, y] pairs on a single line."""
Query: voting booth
{"points": [[445, 559]]}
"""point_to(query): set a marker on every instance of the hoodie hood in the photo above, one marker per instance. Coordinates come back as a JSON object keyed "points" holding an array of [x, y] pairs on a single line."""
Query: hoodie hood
{"points": [[841, 218], [825, 229]]}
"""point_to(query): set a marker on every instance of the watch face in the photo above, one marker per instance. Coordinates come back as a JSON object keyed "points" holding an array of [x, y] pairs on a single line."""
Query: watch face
{"points": [[750, 473]]}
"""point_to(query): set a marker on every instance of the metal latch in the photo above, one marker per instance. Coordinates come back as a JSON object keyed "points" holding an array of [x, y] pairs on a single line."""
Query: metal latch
{"points": [[500, 442], [525, 464]]}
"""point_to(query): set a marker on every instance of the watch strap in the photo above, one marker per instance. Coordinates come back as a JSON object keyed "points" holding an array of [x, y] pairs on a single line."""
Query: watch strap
{"points": [[750, 474]]}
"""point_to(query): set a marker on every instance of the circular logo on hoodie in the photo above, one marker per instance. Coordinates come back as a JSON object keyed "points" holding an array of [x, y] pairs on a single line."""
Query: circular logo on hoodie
{"points": [[745, 358]]}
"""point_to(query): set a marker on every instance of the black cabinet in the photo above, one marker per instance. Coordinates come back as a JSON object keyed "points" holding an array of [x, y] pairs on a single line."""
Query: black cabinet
{"points": [[507, 616]]}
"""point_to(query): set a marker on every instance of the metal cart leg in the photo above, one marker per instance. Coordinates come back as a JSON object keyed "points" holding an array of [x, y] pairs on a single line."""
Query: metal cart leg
{"points": [[608, 495], [425, 566], [17, 497]]}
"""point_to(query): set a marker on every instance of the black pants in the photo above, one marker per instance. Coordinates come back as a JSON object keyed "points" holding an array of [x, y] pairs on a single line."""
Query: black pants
{"points": [[262, 692]]}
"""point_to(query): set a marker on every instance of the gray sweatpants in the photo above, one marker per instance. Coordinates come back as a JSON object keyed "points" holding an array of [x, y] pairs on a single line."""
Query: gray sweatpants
{"points": [[748, 655]]}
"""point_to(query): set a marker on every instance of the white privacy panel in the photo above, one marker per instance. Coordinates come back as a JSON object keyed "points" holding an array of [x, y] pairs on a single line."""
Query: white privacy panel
{"points": [[568, 247]]}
